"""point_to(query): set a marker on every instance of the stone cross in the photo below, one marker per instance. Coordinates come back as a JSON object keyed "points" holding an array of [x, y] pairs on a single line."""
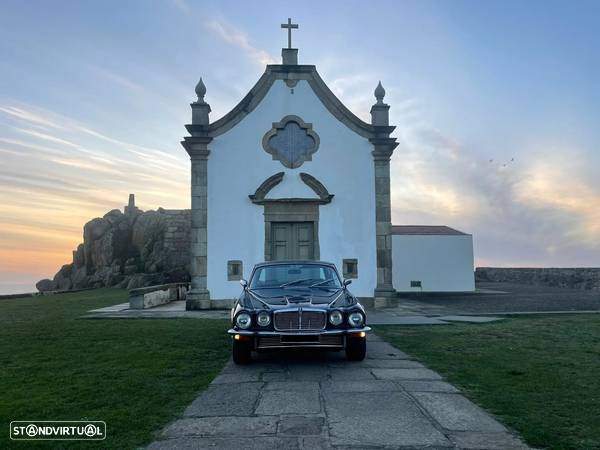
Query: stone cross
{"points": [[289, 25]]}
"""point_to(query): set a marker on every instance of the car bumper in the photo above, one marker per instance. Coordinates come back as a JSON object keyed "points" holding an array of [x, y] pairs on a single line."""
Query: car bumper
{"points": [[289, 339]]}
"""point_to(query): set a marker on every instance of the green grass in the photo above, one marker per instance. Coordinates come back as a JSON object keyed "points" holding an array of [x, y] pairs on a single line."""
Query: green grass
{"points": [[136, 375], [539, 374]]}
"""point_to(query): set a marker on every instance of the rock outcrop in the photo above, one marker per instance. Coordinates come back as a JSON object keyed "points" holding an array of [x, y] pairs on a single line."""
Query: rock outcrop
{"points": [[130, 250]]}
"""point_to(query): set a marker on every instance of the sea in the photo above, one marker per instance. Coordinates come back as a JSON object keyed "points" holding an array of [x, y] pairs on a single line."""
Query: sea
{"points": [[17, 288]]}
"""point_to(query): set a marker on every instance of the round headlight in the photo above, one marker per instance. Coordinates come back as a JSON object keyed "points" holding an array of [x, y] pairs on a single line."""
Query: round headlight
{"points": [[335, 318], [263, 319], [243, 321], [356, 319]]}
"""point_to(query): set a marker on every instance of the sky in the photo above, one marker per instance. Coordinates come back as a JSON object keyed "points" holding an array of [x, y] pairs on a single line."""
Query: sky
{"points": [[496, 103]]}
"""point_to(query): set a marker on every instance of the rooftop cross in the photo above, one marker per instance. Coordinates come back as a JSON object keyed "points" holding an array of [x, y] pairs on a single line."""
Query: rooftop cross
{"points": [[289, 25]]}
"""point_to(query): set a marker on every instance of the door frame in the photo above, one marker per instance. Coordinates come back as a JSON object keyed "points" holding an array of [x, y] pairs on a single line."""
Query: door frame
{"points": [[291, 211]]}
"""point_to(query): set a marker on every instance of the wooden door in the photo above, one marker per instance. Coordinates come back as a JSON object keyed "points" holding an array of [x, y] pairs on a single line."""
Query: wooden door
{"points": [[292, 240]]}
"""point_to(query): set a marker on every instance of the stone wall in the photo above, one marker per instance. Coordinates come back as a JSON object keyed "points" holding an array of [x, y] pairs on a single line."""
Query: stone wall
{"points": [[128, 250], [575, 278]]}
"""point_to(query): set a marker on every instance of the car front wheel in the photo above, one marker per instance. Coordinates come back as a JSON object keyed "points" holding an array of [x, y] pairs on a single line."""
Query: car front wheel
{"points": [[242, 351], [356, 348]]}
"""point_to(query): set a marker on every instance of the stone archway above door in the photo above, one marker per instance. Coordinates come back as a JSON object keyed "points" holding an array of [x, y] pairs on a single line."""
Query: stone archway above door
{"points": [[259, 196]]}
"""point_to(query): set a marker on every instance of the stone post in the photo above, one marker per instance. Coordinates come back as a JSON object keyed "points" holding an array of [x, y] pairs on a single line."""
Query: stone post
{"points": [[197, 147], [383, 148]]}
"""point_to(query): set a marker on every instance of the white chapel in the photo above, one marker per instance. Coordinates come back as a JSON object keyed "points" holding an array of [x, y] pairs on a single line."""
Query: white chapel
{"points": [[291, 173]]}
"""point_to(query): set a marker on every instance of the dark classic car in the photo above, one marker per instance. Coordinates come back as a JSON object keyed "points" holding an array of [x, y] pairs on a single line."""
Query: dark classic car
{"points": [[297, 304]]}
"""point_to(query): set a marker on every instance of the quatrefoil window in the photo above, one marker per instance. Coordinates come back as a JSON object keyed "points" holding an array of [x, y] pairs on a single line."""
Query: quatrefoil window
{"points": [[291, 141]]}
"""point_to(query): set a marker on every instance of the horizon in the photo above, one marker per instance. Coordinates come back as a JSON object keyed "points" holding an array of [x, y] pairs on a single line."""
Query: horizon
{"points": [[496, 107]]}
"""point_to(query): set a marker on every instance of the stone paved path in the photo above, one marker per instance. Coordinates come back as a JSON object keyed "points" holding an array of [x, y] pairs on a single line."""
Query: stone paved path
{"points": [[321, 401]]}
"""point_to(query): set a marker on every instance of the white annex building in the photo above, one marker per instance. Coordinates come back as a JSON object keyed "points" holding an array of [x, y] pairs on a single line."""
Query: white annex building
{"points": [[291, 173]]}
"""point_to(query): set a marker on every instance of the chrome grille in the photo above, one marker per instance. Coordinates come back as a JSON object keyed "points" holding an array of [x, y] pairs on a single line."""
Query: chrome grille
{"points": [[299, 320], [312, 320], [286, 320]]}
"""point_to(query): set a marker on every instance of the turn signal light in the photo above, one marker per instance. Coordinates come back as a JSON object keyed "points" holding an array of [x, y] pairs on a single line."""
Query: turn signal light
{"points": [[239, 337]]}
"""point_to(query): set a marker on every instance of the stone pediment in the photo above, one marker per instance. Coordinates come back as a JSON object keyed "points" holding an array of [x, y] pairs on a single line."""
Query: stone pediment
{"points": [[290, 74]]}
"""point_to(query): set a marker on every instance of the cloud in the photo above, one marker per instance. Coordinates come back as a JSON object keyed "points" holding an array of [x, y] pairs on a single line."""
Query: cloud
{"points": [[118, 79], [550, 186], [57, 173], [536, 210], [29, 116], [240, 40]]}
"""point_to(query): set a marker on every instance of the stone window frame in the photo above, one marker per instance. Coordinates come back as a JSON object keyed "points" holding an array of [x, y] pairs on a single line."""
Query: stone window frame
{"points": [[347, 265], [277, 127], [235, 270]]}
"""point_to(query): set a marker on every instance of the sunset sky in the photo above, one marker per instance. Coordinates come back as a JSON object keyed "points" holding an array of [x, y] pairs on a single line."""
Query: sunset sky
{"points": [[497, 107]]}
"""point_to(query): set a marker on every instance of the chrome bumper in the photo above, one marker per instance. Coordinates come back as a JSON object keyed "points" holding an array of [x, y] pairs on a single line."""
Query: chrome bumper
{"points": [[299, 332], [328, 339]]}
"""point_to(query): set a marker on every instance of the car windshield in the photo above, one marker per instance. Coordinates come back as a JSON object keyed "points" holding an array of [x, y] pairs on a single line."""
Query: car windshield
{"points": [[295, 275]]}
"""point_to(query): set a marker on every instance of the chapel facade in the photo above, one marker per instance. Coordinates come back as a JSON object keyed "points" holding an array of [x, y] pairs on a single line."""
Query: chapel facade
{"points": [[289, 173]]}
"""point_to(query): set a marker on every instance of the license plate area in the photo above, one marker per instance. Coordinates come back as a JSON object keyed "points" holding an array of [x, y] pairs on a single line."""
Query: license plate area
{"points": [[294, 339]]}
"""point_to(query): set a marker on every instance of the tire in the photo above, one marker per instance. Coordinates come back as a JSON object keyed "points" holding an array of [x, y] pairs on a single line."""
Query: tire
{"points": [[356, 348], [241, 352]]}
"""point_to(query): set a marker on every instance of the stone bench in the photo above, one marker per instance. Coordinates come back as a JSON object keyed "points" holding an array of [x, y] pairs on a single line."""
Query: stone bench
{"points": [[151, 296]]}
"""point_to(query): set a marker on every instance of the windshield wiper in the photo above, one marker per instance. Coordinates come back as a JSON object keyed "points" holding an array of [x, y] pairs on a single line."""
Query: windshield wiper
{"points": [[321, 282], [290, 283]]}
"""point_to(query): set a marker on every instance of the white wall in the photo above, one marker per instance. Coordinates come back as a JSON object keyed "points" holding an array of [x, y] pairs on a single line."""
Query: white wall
{"points": [[238, 164], [442, 263]]}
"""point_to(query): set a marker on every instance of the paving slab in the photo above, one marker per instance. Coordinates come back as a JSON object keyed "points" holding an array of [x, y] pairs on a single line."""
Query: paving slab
{"points": [[470, 440], [292, 386], [113, 308], [351, 374], [312, 372], [224, 426], [225, 400], [470, 319], [427, 386], [301, 425], [293, 397], [241, 377], [379, 418], [392, 364], [405, 320], [383, 350], [274, 376], [276, 402], [405, 374], [455, 412], [254, 443], [315, 443], [360, 386]]}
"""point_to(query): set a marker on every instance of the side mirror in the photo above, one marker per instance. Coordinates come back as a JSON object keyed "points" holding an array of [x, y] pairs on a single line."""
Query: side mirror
{"points": [[244, 283], [347, 282]]}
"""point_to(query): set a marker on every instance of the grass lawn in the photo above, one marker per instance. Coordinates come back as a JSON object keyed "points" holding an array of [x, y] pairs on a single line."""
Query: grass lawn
{"points": [[539, 374], [136, 375]]}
